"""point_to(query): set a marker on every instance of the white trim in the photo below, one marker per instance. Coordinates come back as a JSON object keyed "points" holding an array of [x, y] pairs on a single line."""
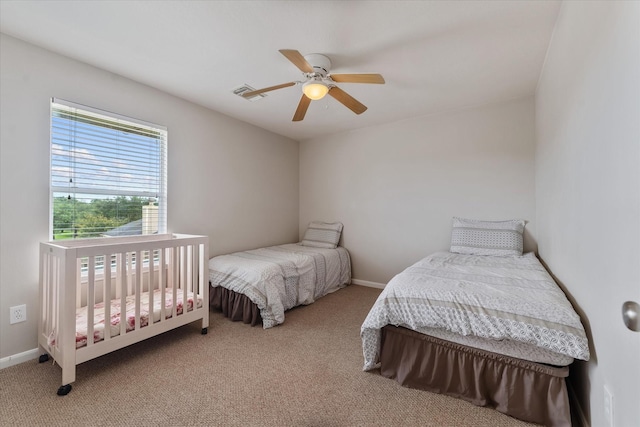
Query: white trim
{"points": [[25, 356], [576, 409], [368, 284], [100, 112]]}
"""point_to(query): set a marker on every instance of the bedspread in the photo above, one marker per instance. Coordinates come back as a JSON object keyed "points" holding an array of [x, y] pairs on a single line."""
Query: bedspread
{"points": [[496, 298], [278, 278]]}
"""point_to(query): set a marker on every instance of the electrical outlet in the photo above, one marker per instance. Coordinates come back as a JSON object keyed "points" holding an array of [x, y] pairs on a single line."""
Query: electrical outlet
{"points": [[608, 407], [17, 314]]}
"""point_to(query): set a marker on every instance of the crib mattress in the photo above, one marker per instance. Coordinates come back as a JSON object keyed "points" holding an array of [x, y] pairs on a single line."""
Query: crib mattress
{"points": [[99, 315]]}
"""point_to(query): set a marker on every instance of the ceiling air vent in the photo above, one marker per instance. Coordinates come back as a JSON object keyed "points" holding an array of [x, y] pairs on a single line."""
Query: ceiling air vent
{"points": [[246, 88]]}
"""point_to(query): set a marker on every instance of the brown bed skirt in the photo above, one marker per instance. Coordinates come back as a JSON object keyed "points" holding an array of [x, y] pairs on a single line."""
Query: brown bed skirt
{"points": [[525, 390], [235, 306]]}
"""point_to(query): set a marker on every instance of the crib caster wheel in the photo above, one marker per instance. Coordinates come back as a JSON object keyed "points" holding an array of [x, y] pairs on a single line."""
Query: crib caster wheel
{"points": [[43, 358], [204, 331], [64, 390]]}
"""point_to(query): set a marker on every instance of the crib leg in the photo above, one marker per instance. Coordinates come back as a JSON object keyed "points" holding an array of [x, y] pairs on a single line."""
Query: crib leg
{"points": [[43, 358], [64, 390], [204, 331]]}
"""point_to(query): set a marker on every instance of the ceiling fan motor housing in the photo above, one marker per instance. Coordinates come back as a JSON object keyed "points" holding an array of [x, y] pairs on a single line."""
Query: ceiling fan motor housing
{"points": [[320, 63]]}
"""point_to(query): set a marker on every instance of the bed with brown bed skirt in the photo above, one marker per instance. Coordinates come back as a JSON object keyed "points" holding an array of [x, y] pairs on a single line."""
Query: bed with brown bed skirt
{"points": [[495, 331], [259, 285]]}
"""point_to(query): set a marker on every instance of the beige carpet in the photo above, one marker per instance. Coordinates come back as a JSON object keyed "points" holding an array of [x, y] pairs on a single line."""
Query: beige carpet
{"points": [[306, 372]]}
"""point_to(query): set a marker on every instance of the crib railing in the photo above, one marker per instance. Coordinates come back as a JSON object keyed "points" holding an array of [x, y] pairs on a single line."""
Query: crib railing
{"points": [[118, 291]]}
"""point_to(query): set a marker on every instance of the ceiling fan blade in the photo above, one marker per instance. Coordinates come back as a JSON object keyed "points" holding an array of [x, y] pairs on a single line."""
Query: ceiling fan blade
{"points": [[347, 100], [266, 89], [302, 108], [297, 59], [357, 78]]}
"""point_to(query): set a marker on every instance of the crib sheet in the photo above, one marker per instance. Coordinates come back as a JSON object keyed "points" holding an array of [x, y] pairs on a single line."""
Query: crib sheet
{"points": [[99, 317]]}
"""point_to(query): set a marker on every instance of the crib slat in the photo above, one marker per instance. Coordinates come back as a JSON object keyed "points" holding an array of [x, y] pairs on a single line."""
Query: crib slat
{"points": [[185, 277], [138, 287], [151, 287], [106, 296], [79, 280], [123, 266], [194, 274], [162, 284], [118, 259], [91, 298], [130, 273], [176, 279], [201, 272]]}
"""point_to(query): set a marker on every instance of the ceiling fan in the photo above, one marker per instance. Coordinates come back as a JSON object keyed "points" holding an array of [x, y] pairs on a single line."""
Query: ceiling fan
{"points": [[319, 82]]}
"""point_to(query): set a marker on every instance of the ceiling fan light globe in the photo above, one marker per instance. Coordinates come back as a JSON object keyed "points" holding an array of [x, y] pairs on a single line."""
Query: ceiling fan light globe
{"points": [[315, 90]]}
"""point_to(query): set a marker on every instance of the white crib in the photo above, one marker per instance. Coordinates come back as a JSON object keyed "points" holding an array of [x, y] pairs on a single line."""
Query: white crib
{"points": [[160, 280]]}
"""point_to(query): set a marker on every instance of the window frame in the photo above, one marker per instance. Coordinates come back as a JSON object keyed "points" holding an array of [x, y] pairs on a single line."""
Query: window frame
{"points": [[161, 195]]}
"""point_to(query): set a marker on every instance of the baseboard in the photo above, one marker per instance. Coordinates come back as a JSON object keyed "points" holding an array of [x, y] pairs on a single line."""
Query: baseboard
{"points": [[25, 356], [576, 409], [368, 284]]}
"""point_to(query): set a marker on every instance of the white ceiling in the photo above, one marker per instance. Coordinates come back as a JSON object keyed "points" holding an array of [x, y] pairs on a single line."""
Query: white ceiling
{"points": [[434, 55]]}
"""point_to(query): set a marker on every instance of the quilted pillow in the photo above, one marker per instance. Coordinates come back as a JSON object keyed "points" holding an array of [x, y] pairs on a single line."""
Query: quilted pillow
{"points": [[322, 234], [497, 238]]}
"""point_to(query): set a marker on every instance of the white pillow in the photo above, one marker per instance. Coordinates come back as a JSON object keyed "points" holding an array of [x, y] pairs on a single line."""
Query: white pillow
{"points": [[497, 238], [322, 234]]}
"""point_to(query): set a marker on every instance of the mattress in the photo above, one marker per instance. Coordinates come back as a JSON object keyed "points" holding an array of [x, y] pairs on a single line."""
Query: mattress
{"points": [[507, 347], [493, 300], [278, 278], [99, 314]]}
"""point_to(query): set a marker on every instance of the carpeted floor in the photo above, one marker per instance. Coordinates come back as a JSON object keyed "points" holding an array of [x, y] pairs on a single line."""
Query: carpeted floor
{"points": [[306, 372]]}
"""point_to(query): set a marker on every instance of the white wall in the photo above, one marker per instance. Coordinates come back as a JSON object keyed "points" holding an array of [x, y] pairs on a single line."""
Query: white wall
{"points": [[395, 187], [588, 189], [234, 182]]}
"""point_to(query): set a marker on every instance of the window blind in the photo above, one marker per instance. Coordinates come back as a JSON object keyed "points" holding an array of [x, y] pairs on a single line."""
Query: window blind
{"points": [[108, 174]]}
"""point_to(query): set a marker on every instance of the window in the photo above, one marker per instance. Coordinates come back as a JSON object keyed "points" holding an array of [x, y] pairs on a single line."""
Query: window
{"points": [[108, 174]]}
